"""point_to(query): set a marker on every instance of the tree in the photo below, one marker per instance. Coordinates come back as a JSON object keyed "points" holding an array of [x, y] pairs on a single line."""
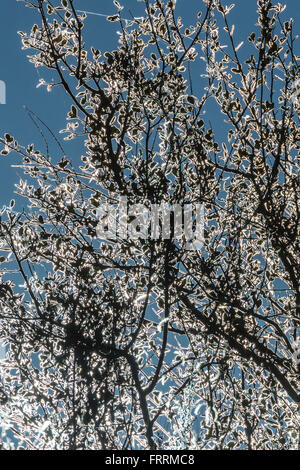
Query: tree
{"points": [[138, 342]]}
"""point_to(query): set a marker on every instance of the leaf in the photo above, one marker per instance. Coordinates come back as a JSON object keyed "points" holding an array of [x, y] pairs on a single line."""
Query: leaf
{"points": [[63, 164], [251, 37], [8, 138], [118, 5], [73, 113], [109, 57], [113, 18]]}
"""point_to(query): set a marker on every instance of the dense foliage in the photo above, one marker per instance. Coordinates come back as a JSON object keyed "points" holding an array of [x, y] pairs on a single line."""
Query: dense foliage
{"points": [[141, 343]]}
